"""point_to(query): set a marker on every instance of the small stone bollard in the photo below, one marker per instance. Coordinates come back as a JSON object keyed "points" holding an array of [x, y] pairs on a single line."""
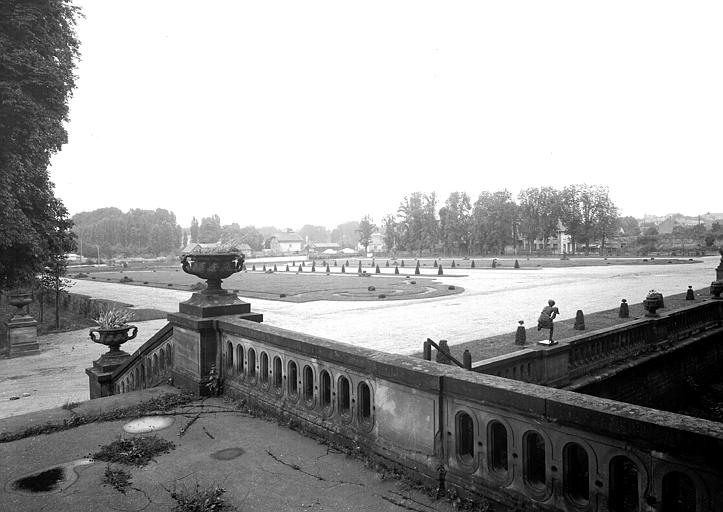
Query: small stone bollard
{"points": [[442, 353], [467, 360], [521, 334], [427, 350], [624, 309], [579, 321], [689, 295]]}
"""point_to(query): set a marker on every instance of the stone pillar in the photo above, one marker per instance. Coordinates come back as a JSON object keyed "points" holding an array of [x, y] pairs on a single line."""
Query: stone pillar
{"points": [[719, 268], [22, 332], [99, 375], [197, 344]]}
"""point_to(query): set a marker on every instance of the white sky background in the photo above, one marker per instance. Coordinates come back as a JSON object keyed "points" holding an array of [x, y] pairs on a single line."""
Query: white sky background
{"points": [[291, 113]]}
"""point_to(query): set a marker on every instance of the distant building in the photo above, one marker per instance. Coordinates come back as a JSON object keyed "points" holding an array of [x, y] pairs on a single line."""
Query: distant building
{"points": [[375, 245], [284, 243], [74, 258], [324, 248]]}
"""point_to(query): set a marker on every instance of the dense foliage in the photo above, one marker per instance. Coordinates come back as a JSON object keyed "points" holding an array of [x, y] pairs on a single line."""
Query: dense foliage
{"points": [[38, 50], [495, 220], [136, 233]]}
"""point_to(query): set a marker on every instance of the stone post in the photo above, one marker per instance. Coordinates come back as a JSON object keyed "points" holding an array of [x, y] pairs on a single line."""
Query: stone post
{"points": [[689, 294], [22, 332], [467, 360], [719, 268], [624, 309], [427, 350], [197, 344], [99, 375], [579, 321], [521, 334]]}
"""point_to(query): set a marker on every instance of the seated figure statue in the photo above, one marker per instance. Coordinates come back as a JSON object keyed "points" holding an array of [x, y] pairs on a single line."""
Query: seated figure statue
{"points": [[545, 321]]}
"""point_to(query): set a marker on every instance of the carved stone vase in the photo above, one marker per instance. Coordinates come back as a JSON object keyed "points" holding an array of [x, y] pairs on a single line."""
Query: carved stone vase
{"points": [[20, 299], [113, 337], [652, 303], [716, 288]]}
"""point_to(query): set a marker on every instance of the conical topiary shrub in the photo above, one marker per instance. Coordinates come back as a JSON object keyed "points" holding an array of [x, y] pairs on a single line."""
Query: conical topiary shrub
{"points": [[387, 265], [301, 267], [274, 267], [402, 265], [454, 265], [253, 267], [327, 268], [359, 270], [472, 266], [287, 268], [378, 271], [517, 264], [343, 268], [371, 263], [416, 270], [264, 269], [435, 264], [396, 269], [440, 271], [347, 263], [313, 266]]}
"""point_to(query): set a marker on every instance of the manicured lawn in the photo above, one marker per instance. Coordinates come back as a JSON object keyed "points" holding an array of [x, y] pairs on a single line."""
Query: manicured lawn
{"points": [[291, 286]]}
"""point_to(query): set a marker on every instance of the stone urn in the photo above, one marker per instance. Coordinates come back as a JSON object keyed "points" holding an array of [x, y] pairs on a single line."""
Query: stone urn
{"points": [[113, 337], [716, 287], [20, 299], [213, 265], [652, 303]]}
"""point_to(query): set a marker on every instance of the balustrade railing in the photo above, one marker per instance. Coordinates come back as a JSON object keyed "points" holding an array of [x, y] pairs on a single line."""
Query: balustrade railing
{"points": [[149, 366]]}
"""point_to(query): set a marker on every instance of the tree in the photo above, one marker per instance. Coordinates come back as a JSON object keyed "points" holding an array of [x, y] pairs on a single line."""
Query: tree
{"points": [[629, 225], [210, 230], [194, 231], [365, 230], [455, 222], [314, 233], [391, 233], [411, 222], [345, 234], [493, 218], [39, 51]]}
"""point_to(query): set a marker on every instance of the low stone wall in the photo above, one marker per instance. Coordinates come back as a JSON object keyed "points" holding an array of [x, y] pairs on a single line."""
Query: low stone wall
{"points": [[577, 357], [81, 305], [548, 448]]}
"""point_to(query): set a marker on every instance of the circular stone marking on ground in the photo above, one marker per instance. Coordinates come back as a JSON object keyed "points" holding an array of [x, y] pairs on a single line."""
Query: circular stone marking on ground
{"points": [[227, 453], [148, 424]]}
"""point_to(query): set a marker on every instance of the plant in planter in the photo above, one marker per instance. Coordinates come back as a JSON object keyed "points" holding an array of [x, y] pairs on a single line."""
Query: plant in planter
{"points": [[113, 328], [653, 302]]}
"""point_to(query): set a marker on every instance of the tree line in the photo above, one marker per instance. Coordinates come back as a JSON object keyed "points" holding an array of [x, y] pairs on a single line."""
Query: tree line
{"points": [[495, 220], [110, 232]]}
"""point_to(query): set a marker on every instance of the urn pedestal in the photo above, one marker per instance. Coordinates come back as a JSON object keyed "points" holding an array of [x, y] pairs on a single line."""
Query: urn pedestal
{"points": [[22, 328], [196, 339], [99, 375]]}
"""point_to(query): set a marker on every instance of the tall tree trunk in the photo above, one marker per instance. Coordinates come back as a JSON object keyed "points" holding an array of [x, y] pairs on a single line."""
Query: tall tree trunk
{"points": [[57, 303]]}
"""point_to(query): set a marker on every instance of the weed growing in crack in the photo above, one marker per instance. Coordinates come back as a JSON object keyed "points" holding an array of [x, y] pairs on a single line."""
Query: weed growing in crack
{"points": [[200, 499], [119, 478], [136, 451]]}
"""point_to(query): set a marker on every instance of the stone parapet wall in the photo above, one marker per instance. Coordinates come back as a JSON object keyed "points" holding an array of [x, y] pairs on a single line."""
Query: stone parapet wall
{"points": [[555, 449], [582, 355]]}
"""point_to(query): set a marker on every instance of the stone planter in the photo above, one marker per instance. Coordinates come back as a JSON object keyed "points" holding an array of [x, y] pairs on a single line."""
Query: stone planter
{"points": [[20, 299], [113, 337], [716, 287], [652, 303], [213, 268]]}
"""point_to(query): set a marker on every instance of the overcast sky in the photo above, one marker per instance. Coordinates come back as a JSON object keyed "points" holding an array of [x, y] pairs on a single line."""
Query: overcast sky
{"points": [[291, 113]]}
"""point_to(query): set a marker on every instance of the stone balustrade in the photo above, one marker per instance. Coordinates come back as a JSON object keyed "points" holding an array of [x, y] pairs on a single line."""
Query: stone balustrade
{"points": [[149, 366], [581, 355]]}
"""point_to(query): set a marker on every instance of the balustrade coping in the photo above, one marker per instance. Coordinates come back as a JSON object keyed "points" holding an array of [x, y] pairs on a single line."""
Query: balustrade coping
{"points": [[159, 337]]}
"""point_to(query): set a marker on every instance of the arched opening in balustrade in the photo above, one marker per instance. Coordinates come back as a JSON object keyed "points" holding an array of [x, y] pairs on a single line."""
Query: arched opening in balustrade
{"points": [[252, 363], [229, 355], [278, 373], [344, 396], [325, 391], [162, 359], [155, 364], [169, 357], [308, 383], [679, 493], [143, 376], [533, 459], [240, 358], [364, 395], [624, 485], [264, 368], [132, 382], [576, 473], [122, 387], [149, 372], [497, 433], [293, 377], [464, 435]]}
